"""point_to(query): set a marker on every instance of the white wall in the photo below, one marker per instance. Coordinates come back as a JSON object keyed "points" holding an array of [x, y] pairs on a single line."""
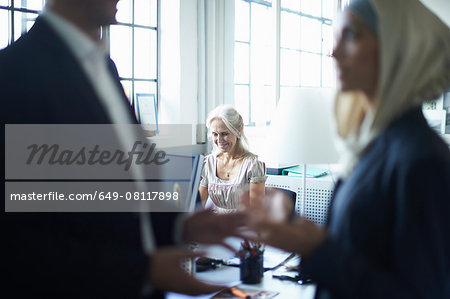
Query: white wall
{"points": [[179, 67], [189, 64], [169, 72]]}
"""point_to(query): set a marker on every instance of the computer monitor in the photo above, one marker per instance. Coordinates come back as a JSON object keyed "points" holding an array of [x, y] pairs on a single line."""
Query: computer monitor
{"points": [[197, 167], [184, 171]]}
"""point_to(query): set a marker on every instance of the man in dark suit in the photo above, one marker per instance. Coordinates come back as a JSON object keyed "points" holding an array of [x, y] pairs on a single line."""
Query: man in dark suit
{"points": [[57, 74]]}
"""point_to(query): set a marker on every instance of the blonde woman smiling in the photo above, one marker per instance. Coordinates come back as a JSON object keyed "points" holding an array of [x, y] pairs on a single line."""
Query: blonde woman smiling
{"points": [[230, 169]]}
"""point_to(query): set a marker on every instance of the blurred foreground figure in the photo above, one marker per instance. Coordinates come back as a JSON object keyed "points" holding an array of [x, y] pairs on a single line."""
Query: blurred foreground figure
{"points": [[387, 231], [60, 73]]}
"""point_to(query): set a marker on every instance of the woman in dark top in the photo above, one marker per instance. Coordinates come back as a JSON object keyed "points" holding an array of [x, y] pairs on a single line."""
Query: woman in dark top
{"points": [[387, 234]]}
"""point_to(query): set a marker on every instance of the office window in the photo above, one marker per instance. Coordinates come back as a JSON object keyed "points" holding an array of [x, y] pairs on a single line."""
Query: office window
{"points": [[253, 59], [306, 43], [300, 52], [16, 18], [134, 46], [133, 42]]}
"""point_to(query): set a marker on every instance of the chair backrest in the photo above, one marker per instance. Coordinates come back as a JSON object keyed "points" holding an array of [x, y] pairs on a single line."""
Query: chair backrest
{"points": [[289, 194]]}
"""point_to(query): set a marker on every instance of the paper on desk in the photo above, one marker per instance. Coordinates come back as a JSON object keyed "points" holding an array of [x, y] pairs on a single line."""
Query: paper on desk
{"points": [[253, 292]]}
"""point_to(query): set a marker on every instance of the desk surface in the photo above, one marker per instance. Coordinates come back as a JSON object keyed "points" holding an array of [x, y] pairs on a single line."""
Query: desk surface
{"points": [[229, 276]]}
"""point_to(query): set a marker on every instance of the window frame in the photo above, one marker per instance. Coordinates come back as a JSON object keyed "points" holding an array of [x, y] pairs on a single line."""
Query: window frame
{"points": [[276, 4], [11, 9], [133, 79]]}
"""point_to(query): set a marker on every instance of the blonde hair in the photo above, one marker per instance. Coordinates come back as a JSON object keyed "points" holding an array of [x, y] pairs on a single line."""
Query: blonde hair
{"points": [[234, 122]]}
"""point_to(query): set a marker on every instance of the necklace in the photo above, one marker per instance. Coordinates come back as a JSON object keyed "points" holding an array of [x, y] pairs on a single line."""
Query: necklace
{"points": [[230, 166], [229, 170]]}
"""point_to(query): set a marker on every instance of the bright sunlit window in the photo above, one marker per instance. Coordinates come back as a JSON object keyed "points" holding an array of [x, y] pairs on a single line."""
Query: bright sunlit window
{"points": [[16, 18], [134, 46], [133, 42], [300, 52]]}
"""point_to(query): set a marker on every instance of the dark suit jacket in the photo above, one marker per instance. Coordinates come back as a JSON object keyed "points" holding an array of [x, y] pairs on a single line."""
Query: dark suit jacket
{"points": [[389, 222], [79, 255]]}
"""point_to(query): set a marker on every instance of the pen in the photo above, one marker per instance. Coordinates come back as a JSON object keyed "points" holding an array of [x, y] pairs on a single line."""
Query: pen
{"points": [[285, 277], [240, 293]]}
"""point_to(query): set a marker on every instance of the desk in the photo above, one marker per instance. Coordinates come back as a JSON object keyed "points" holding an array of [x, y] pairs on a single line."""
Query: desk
{"points": [[229, 276]]}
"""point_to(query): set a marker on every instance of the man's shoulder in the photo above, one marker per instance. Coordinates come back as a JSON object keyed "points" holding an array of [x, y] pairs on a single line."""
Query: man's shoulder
{"points": [[24, 49]]}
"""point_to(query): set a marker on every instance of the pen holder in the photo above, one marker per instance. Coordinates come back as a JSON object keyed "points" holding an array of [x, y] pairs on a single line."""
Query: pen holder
{"points": [[251, 268]]}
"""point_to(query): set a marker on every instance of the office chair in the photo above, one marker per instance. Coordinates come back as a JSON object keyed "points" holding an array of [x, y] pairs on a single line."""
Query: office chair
{"points": [[290, 204]]}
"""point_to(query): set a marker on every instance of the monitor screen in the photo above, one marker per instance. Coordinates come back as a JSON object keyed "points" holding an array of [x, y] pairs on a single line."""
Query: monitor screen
{"points": [[185, 177]]}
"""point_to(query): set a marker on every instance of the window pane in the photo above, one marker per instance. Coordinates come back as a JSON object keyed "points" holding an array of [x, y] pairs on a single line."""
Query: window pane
{"points": [[241, 101], [262, 50], [262, 25], [260, 94], [120, 48], [329, 8], [4, 2], [289, 67], [153, 13], [291, 4], [126, 84], [312, 7], [241, 21], [262, 65], [327, 43], [23, 23], [30, 4], [145, 12], [4, 33], [270, 102], [124, 11], [311, 35], [328, 72], [310, 69], [144, 87], [241, 63], [290, 30], [145, 53], [267, 102]]}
